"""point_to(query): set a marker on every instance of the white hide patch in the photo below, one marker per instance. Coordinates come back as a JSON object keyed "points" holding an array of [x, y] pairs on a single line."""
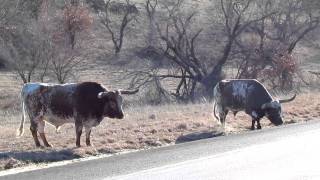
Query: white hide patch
{"points": [[239, 89], [56, 120], [30, 88], [91, 123], [254, 114]]}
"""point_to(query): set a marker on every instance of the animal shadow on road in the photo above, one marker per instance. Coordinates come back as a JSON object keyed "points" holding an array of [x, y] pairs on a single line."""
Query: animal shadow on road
{"points": [[198, 135], [40, 156]]}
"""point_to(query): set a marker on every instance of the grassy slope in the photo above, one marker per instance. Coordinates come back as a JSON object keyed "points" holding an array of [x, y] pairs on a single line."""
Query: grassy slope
{"points": [[143, 127]]}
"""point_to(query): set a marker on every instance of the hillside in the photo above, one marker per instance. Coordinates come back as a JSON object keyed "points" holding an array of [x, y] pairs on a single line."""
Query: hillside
{"points": [[186, 41]]}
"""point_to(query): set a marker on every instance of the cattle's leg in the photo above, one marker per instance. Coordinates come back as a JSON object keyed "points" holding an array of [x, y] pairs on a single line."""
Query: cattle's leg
{"points": [[88, 132], [44, 139], [33, 129], [258, 124], [79, 127], [41, 125], [222, 116], [253, 124]]}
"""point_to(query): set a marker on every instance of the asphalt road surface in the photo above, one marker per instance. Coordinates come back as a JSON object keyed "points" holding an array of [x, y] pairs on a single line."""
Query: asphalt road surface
{"points": [[285, 152]]}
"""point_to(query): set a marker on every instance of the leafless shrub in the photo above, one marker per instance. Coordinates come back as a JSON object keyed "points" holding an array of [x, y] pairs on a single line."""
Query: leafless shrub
{"points": [[37, 47], [315, 73], [281, 74], [117, 24], [268, 52], [122, 8], [26, 53], [179, 39], [75, 19], [151, 8], [72, 27], [154, 93], [97, 5]]}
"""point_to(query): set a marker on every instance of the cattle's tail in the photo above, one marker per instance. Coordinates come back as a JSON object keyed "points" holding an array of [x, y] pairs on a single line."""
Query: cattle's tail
{"points": [[23, 117], [214, 111], [23, 114], [216, 91]]}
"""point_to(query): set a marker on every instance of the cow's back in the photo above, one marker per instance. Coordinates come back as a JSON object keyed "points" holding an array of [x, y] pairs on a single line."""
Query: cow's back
{"points": [[31, 98], [242, 94], [51, 100], [59, 100], [87, 103]]}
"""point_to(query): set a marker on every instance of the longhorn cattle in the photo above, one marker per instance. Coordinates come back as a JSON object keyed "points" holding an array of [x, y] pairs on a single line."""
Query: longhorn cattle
{"points": [[84, 104], [247, 95]]}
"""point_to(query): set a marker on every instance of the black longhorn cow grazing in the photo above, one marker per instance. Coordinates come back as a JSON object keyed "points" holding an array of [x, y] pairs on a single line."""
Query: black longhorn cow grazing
{"points": [[84, 104], [247, 95]]}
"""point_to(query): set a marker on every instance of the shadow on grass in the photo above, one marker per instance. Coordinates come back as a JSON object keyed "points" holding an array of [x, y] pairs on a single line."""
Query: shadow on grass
{"points": [[40, 155], [197, 136]]}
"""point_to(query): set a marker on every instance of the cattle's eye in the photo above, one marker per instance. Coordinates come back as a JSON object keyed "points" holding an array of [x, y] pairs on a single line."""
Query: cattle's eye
{"points": [[113, 105]]}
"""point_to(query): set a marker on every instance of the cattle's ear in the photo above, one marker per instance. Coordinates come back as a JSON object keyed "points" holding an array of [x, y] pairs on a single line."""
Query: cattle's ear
{"points": [[265, 106], [272, 104], [103, 94]]}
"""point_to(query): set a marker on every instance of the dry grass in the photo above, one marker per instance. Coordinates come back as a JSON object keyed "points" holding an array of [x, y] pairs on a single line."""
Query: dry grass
{"points": [[143, 127]]}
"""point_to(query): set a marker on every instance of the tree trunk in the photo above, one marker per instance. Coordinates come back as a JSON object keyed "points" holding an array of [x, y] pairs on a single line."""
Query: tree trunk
{"points": [[215, 75]]}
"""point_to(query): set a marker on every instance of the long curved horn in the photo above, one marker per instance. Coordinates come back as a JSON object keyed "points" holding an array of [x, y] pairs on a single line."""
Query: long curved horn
{"points": [[288, 100], [128, 92]]}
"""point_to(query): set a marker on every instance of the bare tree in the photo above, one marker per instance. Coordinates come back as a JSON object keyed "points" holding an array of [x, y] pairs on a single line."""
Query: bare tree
{"points": [[294, 20], [64, 64], [117, 31], [33, 7], [75, 20], [151, 7], [27, 54], [268, 55], [71, 30], [180, 49], [180, 40], [24, 45], [237, 18]]}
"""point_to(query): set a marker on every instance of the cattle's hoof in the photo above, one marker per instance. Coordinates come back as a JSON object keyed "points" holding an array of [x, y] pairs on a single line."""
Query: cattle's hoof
{"points": [[49, 146], [259, 127], [252, 128], [38, 145], [41, 147], [88, 142]]}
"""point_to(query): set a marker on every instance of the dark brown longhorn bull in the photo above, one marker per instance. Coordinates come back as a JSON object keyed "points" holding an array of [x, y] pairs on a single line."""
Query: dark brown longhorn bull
{"points": [[84, 104]]}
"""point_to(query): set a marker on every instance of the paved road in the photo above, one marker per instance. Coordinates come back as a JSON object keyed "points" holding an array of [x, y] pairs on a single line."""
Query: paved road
{"points": [[286, 152]]}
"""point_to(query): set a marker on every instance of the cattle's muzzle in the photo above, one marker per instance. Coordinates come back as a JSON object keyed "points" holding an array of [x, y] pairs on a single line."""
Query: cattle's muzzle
{"points": [[120, 116], [278, 123]]}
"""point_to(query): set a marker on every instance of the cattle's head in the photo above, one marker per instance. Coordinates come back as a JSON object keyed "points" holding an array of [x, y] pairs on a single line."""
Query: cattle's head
{"points": [[113, 103], [273, 110]]}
